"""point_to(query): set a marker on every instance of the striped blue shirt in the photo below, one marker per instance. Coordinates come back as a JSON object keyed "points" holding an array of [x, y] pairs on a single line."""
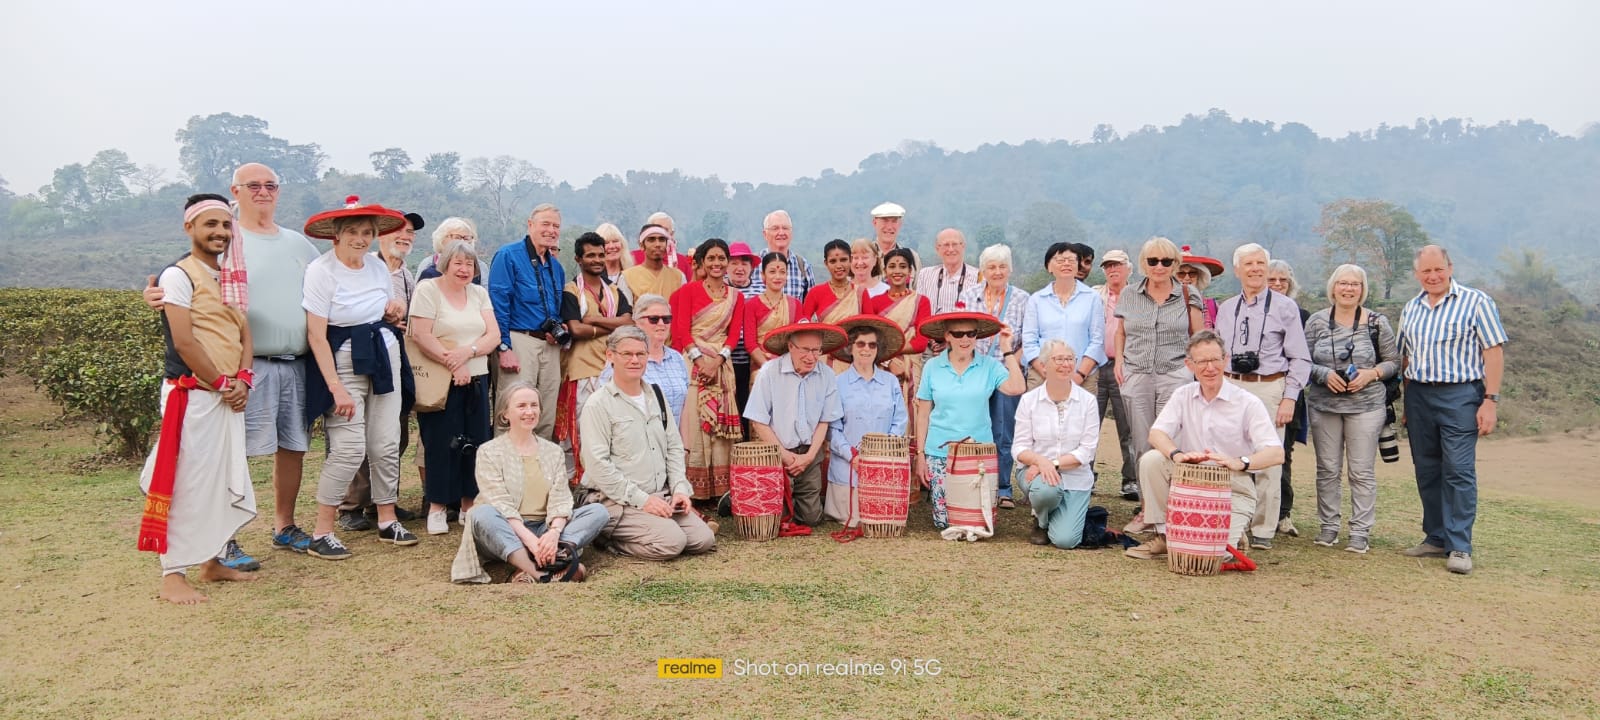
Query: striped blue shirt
{"points": [[1445, 343]]}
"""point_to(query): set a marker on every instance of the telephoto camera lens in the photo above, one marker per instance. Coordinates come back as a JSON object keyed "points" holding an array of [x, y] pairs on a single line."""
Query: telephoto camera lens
{"points": [[1388, 444]]}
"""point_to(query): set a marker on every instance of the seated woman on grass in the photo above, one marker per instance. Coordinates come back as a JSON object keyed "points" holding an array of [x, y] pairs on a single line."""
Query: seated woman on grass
{"points": [[524, 506]]}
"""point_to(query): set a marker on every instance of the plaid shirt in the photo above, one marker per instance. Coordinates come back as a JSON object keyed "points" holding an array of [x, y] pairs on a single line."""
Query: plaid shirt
{"points": [[741, 353], [799, 283]]}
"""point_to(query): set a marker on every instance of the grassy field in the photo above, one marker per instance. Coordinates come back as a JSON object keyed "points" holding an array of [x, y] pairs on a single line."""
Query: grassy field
{"points": [[1016, 630]]}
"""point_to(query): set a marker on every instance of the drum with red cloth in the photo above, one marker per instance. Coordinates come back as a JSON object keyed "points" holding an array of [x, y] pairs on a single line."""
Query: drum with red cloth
{"points": [[883, 484], [756, 483], [971, 484], [1199, 511]]}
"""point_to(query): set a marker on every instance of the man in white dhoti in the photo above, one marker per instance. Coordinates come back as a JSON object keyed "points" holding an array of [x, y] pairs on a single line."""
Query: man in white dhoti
{"points": [[196, 482]]}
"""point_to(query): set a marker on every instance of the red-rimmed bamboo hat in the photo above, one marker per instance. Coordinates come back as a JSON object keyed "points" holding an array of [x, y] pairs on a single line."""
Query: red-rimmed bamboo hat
{"points": [[891, 339], [1211, 264], [933, 328], [777, 342], [320, 226]]}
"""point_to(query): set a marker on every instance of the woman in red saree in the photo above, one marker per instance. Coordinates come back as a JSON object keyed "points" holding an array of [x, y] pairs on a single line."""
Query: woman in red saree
{"points": [[907, 309], [838, 298], [770, 310], [704, 314]]}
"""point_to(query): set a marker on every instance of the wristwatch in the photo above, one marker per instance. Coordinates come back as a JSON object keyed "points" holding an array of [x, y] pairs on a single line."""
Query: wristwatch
{"points": [[1175, 452], [1492, 396], [1056, 462], [474, 349], [505, 348], [1246, 460]]}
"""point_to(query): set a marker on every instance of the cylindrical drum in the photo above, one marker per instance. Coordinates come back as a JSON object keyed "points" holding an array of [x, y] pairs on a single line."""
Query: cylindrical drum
{"points": [[1199, 510], [971, 484], [883, 480], [756, 487]]}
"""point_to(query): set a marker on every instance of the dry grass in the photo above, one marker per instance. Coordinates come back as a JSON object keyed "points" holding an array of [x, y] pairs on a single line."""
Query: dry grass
{"points": [[1018, 631]]}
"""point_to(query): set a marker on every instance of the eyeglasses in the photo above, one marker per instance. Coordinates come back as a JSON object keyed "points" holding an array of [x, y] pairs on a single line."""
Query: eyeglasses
{"points": [[459, 237], [1164, 262], [961, 333], [1062, 359], [657, 319], [256, 187], [1206, 361], [805, 350], [631, 355], [867, 344], [1347, 284]]}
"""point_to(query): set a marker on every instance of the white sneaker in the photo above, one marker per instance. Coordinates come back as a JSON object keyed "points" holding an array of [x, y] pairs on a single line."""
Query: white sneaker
{"points": [[1286, 527], [437, 525]]}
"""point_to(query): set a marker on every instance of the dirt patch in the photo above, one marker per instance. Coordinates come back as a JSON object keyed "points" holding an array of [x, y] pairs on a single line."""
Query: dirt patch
{"points": [[1559, 467]]}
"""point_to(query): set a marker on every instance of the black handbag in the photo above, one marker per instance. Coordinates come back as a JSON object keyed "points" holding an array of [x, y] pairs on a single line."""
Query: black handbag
{"points": [[1391, 387]]}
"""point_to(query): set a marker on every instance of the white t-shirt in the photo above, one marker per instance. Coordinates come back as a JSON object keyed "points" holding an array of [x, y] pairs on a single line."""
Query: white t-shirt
{"points": [[347, 297], [178, 287]]}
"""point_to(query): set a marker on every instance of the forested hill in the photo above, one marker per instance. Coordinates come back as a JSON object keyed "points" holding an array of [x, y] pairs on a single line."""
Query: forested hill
{"points": [[1209, 181]]}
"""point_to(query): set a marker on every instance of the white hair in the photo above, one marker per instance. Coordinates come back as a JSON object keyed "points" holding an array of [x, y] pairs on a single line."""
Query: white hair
{"points": [[449, 225], [241, 168], [1048, 348], [647, 301], [660, 218], [1348, 269], [766, 222], [543, 207], [1248, 249], [997, 252]]}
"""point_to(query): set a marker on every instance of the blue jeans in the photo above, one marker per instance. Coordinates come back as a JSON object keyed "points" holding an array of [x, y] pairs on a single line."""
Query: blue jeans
{"points": [[1060, 512], [495, 536], [1442, 421], [1003, 418]]}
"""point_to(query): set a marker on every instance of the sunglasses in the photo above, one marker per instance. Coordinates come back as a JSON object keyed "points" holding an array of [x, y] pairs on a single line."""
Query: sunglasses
{"points": [[657, 319], [867, 344], [961, 333], [1164, 262], [1349, 349], [256, 187]]}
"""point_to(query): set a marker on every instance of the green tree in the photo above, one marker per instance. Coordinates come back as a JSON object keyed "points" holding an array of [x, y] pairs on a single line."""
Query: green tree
{"points": [[714, 224], [1044, 224], [107, 175], [69, 193], [1527, 277], [445, 169], [211, 147], [390, 163], [990, 235], [1375, 234]]}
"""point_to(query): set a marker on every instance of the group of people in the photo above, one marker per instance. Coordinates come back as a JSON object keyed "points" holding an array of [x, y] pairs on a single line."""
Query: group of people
{"points": [[612, 402]]}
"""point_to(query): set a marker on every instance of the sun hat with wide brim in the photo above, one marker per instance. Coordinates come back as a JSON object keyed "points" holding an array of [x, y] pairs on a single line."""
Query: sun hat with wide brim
{"points": [[933, 328], [1212, 264], [891, 339], [777, 342], [320, 226]]}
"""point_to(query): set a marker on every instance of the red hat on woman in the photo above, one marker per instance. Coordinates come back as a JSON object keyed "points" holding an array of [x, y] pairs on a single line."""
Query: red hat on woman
{"points": [[320, 226]]}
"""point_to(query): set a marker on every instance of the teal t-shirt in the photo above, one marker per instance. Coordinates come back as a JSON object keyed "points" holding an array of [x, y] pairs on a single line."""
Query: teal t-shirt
{"points": [[275, 267], [960, 402]]}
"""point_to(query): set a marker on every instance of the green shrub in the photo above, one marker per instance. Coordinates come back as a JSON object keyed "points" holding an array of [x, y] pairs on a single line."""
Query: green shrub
{"points": [[97, 353]]}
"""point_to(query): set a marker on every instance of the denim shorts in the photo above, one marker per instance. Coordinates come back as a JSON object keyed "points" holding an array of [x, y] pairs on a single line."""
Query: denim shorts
{"points": [[274, 416]]}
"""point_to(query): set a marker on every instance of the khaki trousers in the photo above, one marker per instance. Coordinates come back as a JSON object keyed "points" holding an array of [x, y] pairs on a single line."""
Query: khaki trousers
{"points": [[540, 366], [632, 531], [1155, 481], [1269, 488]]}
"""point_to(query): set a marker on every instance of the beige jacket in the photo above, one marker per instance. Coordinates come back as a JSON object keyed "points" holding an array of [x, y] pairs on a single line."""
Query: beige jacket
{"points": [[500, 486], [627, 455]]}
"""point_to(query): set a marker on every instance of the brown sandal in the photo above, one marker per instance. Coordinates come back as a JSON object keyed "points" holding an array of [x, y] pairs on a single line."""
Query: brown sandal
{"points": [[524, 577]]}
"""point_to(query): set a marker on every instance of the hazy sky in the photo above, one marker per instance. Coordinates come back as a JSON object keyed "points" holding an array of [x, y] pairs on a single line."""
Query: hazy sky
{"points": [[758, 91]]}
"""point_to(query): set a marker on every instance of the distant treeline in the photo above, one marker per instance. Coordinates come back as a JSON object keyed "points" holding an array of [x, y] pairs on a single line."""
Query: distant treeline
{"points": [[1209, 181]]}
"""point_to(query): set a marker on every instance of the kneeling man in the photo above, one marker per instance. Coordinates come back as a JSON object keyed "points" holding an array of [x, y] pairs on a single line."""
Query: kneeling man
{"points": [[633, 460], [1209, 420]]}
